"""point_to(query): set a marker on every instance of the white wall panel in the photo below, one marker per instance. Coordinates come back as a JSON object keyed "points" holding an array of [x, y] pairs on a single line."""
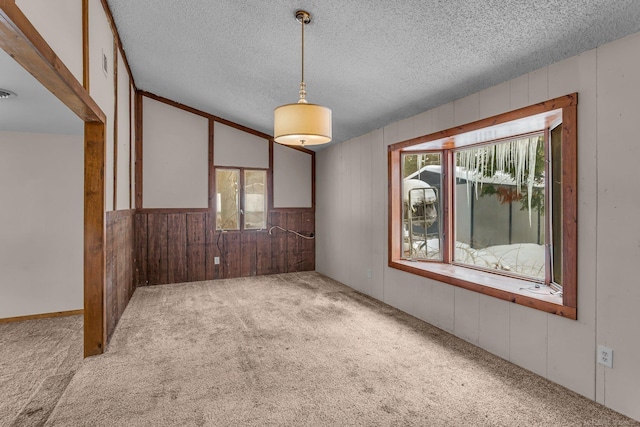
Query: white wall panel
{"points": [[466, 315], [324, 194], [466, 110], [538, 86], [233, 147], [124, 133], [494, 100], [443, 117], [101, 83], [175, 157], [60, 24], [422, 123], [378, 212], [528, 338], [442, 305], [493, 328], [41, 223], [618, 241], [391, 134], [365, 214], [405, 129], [608, 84], [519, 92], [355, 248], [292, 177], [571, 352]]}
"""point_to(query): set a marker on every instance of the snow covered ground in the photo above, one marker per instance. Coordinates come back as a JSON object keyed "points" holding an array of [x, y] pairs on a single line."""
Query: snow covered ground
{"points": [[521, 258]]}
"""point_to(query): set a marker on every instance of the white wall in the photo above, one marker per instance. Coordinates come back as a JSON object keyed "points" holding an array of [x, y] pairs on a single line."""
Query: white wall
{"points": [[233, 147], [132, 111], [60, 24], [175, 157], [352, 229], [292, 178], [124, 138], [41, 223], [102, 85]]}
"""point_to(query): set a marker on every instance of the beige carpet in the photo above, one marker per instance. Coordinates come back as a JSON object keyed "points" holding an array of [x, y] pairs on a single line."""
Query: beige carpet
{"points": [[301, 350], [37, 360]]}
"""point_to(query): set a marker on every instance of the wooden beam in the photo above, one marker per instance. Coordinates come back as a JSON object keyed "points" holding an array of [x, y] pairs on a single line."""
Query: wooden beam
{"points": [[23, 43], [95, 332]]}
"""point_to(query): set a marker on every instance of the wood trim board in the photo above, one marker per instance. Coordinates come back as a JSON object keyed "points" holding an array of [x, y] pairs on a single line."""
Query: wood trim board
{"points": [[41, 316]]}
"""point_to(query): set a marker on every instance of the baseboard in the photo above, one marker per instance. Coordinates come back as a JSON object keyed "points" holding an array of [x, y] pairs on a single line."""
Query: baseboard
{"points": [[41, 316]]}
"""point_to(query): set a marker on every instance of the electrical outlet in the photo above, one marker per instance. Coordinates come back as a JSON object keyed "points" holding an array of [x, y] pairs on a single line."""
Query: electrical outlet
{"points": [[216, 260], [605, 356], [369, 273]]}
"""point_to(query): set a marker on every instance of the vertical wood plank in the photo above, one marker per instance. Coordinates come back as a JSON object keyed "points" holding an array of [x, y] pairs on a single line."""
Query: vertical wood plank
{"points": [[131, 241], [177, 247], [157, 250], [196, 268], [307, 246], [278, 243], [141, 260], [263, 254], [111, 276], [248, 252], [211, 251], [293, 250], [120, 249], [231, 255]]}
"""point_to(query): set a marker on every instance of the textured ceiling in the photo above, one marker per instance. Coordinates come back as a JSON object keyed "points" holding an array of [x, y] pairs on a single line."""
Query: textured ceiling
{"points": [[371, 62]]}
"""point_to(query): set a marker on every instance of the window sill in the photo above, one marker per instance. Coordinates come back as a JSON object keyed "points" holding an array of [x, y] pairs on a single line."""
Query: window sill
{"points": [[507, 288]]}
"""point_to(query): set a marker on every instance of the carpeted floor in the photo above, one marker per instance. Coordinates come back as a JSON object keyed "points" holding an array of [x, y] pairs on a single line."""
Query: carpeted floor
{"points": [[37, 360], [300, 349]]}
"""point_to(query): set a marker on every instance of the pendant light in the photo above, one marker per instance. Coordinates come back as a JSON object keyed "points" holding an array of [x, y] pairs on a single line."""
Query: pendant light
{"points": [[302, 123]]}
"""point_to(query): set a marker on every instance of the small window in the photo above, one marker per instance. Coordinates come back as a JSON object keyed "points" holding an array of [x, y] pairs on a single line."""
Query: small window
{"points": [[255, 196], [421, 206], [241, 199], [491, 206]]}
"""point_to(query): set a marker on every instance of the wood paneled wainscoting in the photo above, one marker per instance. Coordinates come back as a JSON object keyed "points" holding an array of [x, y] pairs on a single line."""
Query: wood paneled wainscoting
{"points": [[182, 245], [120, 282]]}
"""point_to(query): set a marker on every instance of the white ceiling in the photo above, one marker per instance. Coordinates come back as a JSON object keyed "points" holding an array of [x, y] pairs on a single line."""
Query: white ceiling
{"points": [[35, 109], [372, 62]]}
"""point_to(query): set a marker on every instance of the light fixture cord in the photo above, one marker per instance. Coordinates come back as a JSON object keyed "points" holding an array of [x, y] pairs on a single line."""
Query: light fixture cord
{"points": [[303, 86], [302, 22]]}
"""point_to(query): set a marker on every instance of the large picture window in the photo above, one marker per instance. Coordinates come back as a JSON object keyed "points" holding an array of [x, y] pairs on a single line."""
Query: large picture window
{"points": [[491, 206]]}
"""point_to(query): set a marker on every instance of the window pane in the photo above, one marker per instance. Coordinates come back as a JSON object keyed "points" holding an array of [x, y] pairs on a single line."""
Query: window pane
{"points": [[255, 193], [499, 207], [556, 204], [421, 207], [227, 198]]}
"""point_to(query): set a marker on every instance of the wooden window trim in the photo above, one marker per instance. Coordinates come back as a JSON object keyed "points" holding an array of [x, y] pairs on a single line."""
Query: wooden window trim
{"points": [[241, 201], [488, 283]]}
